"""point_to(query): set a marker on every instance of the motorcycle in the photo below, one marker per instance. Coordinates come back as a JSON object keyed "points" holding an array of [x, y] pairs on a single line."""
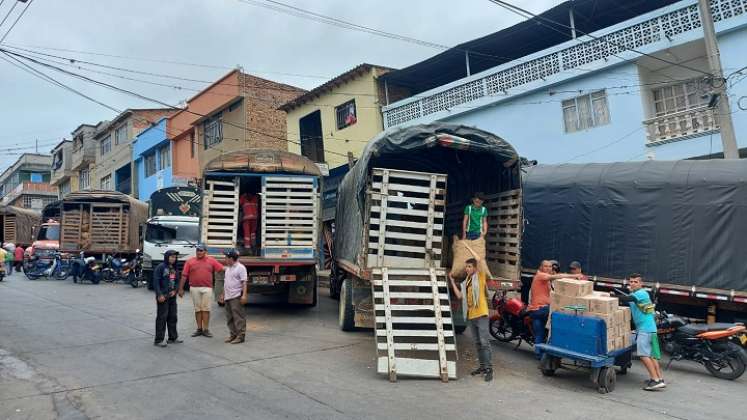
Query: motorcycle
{"points": [[122, 269], [85, 268], [57, 267], [136, 268], [711, 345], [511, 320]]}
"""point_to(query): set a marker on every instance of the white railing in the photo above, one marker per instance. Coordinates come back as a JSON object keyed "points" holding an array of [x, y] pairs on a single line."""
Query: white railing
{"points": [[638, 33], [681, 125]]}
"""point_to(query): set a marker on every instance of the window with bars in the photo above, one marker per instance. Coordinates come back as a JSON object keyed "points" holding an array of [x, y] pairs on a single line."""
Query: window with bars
{"points": [[106, 145], [585, 111], [164, 157], [106, 183], [64, 188], [120, 136], [150, 164], [84, 179], [213, 131], [678, 97], [346, 115]]}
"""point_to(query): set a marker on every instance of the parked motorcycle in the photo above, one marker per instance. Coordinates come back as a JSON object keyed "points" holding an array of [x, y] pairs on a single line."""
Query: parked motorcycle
{"points": [[57, 268], [511, 320], [711, 345], [85, 269], [136, 270], [124, 270]]}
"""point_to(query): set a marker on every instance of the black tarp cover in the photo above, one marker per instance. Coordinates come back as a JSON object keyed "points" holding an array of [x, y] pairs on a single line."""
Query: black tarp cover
{"points": [[676, 222], [430, 148]]}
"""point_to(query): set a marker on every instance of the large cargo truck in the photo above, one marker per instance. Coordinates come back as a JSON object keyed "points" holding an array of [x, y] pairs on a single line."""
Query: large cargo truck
{"points": [[681, 224], [17, 225], [266, 205], [102, 223]]}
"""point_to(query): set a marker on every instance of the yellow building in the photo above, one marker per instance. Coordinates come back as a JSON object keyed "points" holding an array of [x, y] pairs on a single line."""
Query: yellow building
{"points": [[337, 117]]}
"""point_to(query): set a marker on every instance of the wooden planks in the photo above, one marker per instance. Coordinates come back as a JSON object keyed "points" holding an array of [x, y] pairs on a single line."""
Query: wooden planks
{"points": [[290, 212], [9, 228], [220, 213], [503, 241], [405, 218], [413, 325]]}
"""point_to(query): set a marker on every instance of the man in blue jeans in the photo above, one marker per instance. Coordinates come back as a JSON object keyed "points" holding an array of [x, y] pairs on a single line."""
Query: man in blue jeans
{"points": [[475, 222]]}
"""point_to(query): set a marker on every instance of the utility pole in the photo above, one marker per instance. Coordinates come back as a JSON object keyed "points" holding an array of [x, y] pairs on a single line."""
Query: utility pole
{"points": [[728, 138]]}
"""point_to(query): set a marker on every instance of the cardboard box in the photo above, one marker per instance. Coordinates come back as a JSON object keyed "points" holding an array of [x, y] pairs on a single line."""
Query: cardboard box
{"points": [[610, 344], [619, 317], [626, 339], [627, 314], [602, 294], [572, 287], [619, 343], [558, 303], [603, 305]]}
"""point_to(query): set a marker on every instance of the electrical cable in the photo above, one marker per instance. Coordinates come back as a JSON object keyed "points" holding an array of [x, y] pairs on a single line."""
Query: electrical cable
{"points": [[15, 3], [16, 21]]}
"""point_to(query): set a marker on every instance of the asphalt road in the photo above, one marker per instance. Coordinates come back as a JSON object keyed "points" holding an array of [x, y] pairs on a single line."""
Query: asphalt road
{"points": [[74, 351]]}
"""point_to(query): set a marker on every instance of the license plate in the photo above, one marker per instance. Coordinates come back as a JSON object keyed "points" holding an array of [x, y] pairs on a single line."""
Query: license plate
{"points": [[743, 339]]}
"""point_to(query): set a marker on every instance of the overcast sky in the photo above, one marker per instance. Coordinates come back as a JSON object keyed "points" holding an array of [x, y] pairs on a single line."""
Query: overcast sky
{"points": [[223, 33]]}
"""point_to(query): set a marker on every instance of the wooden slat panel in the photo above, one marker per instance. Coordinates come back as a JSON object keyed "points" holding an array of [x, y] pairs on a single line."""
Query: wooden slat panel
{"points": [[412, 320], [416, 346], [411, 295], [414, 333]]}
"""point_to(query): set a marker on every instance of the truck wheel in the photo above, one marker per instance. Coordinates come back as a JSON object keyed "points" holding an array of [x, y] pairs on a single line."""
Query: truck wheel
{"points": [[347, 311], [336, 277]]}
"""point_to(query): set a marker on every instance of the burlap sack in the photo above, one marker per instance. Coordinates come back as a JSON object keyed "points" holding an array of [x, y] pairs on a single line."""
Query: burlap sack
{"points": [[462, 250]]}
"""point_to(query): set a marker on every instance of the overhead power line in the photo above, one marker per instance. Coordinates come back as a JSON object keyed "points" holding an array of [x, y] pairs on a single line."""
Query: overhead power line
{"points": [[15, 3], [16, 21]]}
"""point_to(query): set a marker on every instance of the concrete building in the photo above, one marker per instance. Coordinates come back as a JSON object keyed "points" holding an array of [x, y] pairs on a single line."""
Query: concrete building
{"points": [[151, 152], [26, 182], [113, 166], [637, 87], [63, 177], [238, 111], [83, 156], [338, 117]]}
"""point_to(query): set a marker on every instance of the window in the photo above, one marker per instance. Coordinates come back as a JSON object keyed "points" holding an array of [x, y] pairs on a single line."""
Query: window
{"points": [[213, 131], [106, 182], [84, 179], [106, 145], [164, 157], [36, 177], [120, 136], [57, 160], [677, 98], [585, 112], [150, 164], [64, 188], [346, 115]]}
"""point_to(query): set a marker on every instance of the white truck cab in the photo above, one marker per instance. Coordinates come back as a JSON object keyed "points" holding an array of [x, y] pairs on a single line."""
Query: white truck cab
{"points": [[163, 233]]}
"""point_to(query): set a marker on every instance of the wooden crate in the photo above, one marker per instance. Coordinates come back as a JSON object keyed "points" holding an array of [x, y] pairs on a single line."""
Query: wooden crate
{"points": [[9, 228], [109, 227], [414, 329], [503, 240], [290, 212], [405, 219], [220, 213]]}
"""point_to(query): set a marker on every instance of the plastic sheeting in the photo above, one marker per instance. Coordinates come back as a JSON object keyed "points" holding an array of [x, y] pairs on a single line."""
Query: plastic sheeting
{"points": [[675, 222], [474, 160]]}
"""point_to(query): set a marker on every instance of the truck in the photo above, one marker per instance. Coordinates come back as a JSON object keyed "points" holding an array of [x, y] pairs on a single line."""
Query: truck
{"points": [[280, 248], [101, 223], [17, 225], [397, 210], [680, 224], [173, 224]]}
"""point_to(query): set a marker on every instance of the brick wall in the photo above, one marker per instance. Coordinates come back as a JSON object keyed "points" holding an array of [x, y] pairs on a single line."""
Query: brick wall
{"points": [[267, 124]]}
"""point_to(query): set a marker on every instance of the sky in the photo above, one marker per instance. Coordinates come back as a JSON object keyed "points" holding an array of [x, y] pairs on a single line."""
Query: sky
{"points": [[215, 36]]}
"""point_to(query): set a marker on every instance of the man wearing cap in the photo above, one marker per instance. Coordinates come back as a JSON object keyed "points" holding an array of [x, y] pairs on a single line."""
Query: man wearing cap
{"points": [[235, 297], [199, 271], [575, 268]]}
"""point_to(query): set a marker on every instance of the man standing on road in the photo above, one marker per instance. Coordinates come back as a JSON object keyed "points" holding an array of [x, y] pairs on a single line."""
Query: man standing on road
{"points": [[235, 297], [164, 284], [539, 299], [646, 340], [199, 271], [18, 257]]}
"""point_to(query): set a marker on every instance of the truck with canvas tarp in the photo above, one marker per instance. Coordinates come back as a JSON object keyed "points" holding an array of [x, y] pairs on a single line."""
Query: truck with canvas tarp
{"points": [[17, 225], [681, 224], [397, 210], [266, 205]]}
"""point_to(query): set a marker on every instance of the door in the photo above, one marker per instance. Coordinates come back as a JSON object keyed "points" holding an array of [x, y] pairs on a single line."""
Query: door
{"points": [[290, 216], [220, 216]]}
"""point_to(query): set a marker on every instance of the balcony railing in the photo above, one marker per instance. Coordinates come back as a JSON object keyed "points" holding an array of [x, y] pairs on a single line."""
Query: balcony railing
{"points": [[83, 155], [30, 188], [553, 64], [681, 125]]}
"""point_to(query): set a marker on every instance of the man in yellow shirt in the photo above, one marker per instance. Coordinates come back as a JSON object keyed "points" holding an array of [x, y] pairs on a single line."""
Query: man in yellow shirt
{"points": [[474, 295], [3, 256]]}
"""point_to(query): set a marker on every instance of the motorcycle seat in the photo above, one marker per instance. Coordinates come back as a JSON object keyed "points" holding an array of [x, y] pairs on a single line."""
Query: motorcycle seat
{"points": [[695, 329]]}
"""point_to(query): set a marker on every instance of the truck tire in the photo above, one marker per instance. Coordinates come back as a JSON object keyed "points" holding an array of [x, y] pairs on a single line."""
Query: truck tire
{"points": [[336, 277], [347, 311]]}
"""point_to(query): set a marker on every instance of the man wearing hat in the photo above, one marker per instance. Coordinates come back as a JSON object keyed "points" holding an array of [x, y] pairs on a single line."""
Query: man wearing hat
{"points": [[199, 271], [235, 297], [575, 268]]}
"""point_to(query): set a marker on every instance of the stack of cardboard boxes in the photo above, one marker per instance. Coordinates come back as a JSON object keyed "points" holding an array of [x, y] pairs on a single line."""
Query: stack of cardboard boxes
{"points": [[578, 296]]}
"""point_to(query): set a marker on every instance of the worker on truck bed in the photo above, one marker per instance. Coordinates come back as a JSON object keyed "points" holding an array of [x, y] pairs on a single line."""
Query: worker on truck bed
{"points": [[575, 268], [249, 215], [199, 271], [539, 299], [475, 290], [475, 222]]}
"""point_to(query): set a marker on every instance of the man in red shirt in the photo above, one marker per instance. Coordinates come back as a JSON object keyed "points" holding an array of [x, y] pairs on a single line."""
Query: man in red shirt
{"points": [[199, 271], [249, 214], [539, 299]]}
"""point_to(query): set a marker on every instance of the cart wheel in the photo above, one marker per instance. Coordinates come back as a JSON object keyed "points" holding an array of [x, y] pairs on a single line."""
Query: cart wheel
{"points": [[549, 364], [607, 380]]}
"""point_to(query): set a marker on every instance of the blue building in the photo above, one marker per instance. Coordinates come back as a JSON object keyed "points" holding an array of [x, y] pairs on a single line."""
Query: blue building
{"points": [[587, 81], [151, 152]]}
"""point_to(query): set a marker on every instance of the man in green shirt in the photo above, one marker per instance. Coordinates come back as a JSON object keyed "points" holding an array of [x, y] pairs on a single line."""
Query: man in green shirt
{"points": [[475, 223]]}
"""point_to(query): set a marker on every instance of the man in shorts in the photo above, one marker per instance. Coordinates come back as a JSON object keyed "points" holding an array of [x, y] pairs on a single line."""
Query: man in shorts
{"points": [[199, 271], [647, 342]]}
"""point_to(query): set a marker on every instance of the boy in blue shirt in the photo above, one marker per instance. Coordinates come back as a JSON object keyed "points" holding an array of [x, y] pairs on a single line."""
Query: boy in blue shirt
{"points": [[647, 342]]}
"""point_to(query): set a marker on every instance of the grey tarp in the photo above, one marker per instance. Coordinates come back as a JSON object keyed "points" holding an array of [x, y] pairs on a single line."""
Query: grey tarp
{"points": [[475, 160], [676, 222]]}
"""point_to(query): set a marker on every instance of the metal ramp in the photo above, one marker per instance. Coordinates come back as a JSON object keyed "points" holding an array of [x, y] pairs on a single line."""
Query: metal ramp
{"points": [[414, 329]]}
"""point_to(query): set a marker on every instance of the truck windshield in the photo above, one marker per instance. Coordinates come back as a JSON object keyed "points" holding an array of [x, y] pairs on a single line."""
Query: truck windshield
{"points": [[49, 233], [171, 234]]}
